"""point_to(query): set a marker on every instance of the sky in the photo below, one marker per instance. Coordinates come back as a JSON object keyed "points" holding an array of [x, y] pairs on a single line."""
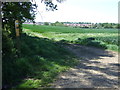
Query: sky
{"points": [[95, 11]]}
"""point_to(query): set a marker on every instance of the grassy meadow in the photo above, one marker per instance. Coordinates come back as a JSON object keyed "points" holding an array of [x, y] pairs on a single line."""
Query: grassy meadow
{"points": [[40, 60], [107, 38], [42, 55]]}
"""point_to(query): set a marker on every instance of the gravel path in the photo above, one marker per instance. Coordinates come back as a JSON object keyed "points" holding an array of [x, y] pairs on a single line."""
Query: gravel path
{"points": [[97, 69]]}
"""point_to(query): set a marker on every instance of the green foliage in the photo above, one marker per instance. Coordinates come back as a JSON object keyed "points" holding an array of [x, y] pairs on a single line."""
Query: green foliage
{"points": [[8, 47], [57, 24], [109, 39], [50, 5], [89, 42], [103, 37], [106, 25], [113, 47], [64, 41], [41, 59], [18, 63], [59, 29], [46, 23], [53, 24], [12, 11], [16, 11]]}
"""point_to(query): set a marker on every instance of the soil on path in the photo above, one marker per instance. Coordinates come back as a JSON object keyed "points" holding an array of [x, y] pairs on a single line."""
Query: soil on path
{"points": [[97, 69]]}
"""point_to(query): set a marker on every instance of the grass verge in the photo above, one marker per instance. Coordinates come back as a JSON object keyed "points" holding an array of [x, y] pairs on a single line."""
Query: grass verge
{"points": [[39, 61]]}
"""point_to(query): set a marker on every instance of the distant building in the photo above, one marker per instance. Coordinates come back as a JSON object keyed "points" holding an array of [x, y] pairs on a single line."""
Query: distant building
{"points": [[42, 23], [79, 25], [39, 23], [72, 24], [28, 23]]}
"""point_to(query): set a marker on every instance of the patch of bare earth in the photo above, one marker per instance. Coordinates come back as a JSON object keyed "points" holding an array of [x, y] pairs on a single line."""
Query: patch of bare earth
{"points": [[97, 69]]}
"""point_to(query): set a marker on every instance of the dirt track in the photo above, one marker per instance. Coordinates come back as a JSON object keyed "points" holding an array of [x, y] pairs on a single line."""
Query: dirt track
{"points": [[97, 68]]}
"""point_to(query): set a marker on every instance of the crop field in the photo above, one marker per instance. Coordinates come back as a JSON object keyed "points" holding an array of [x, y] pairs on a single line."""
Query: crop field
{"points": [[107, 36]]}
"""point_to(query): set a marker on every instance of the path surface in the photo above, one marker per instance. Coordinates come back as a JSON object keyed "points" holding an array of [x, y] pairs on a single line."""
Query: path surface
{"points": [[97, 68]]}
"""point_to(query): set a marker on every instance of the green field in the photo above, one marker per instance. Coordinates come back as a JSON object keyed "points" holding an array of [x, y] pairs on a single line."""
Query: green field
{"points": [[42, 55], [107, 36], [40, 60]]}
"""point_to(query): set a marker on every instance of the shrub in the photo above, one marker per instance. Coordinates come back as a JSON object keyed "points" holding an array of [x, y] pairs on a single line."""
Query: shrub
{"points": [[91, 42], [98, 44], [46, 23]]}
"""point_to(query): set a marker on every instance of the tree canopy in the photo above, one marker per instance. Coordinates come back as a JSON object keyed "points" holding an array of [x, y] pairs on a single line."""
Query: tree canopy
{"points": [[11, 11], [21, 11]]}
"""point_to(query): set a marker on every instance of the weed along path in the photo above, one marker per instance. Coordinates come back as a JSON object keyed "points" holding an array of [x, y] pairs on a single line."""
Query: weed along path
{"points": [[97, 69]]}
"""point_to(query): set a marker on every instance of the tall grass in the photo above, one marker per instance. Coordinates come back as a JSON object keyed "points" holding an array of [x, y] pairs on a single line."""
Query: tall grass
{"points": [[58, 29], [39, 62], [108, 36]]}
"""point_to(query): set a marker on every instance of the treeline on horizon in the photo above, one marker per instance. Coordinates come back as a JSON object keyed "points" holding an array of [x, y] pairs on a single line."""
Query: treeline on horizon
{"points": [[84, 24]]}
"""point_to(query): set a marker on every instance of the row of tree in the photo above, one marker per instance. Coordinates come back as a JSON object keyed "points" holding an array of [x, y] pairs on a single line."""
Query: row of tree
{"points": [[106, 25], [92, 25]]}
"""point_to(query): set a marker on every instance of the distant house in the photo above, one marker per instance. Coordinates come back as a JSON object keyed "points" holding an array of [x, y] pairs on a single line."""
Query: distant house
{"points": [[42, 23], [76, 24], [39, 23], [27, 23]]}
